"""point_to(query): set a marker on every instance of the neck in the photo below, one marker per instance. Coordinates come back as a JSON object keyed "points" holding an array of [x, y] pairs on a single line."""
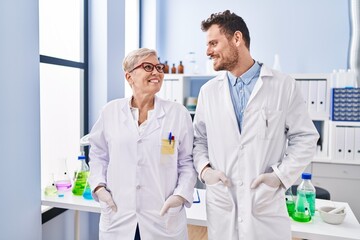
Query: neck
{"points": [[244, 63], [143, 101]]}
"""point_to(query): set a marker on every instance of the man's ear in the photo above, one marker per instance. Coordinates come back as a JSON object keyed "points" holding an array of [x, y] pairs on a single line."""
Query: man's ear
{"points": [[238, 38]]}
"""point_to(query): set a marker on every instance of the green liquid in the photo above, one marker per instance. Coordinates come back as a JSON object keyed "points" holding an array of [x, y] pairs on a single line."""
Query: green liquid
{"points": [[310, 198], [80, 183], [301, 217], [290, 207]]}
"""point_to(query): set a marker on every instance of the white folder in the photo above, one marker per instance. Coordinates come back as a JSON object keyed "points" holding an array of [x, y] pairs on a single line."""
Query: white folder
{"points": [[339, 142], [305, 90], [349, 143], [161, 93], [312, 99], [321, 97], [357, 144], [165, 91], [177, 90]]}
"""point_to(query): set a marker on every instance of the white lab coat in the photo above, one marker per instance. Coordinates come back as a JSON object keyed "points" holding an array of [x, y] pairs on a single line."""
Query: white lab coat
{"points": [[139, 177], [239, 212]]}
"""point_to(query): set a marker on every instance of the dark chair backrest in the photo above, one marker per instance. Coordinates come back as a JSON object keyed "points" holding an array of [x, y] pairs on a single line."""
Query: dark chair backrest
{"points": [[321, 193]]}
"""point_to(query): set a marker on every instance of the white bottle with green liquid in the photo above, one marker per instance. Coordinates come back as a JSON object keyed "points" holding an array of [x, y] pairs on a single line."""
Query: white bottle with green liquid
{"points": [[306, 190], [81, 177]]}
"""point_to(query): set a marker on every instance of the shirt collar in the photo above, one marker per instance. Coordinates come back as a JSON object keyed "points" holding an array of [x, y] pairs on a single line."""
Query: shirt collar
{"points": [[247, 76]]}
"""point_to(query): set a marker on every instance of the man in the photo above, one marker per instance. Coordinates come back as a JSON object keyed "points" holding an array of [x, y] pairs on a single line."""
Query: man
{"points": [[253, 137]]}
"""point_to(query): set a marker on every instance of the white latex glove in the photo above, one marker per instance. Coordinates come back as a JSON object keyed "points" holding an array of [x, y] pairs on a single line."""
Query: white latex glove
{"points": [[172, 202], [211, 176], [270, 179], [104, 196]]}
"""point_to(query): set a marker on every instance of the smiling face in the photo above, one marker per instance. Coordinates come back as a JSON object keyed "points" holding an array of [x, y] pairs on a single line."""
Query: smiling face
{"points": [[222, 51], [143, 82]]}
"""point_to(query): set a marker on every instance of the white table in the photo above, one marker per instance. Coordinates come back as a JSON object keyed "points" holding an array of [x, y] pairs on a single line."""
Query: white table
{"points": [[196, 215]]}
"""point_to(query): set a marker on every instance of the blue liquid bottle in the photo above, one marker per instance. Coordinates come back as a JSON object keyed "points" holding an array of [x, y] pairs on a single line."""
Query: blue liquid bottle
{"points": [[87, 192]]}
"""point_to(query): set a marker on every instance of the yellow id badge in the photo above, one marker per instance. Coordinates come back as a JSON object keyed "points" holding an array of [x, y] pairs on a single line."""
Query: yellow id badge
{"points": [[167, 147]]}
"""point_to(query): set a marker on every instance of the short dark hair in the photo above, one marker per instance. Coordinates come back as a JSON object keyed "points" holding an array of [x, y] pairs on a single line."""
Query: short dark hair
{"points": [[228, 23]]}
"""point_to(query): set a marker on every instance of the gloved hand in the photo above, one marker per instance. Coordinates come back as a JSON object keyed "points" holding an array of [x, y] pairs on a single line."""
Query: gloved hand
{"points": [[104, 196], [211, 176], [270, 179], [172, 202]]}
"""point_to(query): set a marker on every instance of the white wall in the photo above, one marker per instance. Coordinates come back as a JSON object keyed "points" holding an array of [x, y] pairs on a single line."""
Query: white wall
{"points": [[310, 36], [20, 216]]}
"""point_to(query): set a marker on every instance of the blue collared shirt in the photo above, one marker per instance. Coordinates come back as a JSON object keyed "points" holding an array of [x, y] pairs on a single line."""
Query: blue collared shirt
{"points": [[241, 88]]}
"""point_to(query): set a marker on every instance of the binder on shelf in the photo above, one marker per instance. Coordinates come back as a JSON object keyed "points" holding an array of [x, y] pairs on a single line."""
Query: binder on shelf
{"points": [[312, 98], [305, 90], [321, 97], [357, 144], [172, 88], [349, 143], [339, 142]]}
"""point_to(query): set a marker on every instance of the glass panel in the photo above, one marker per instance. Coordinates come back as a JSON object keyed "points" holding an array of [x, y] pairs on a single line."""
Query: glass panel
{"points": [[61, 29], [60, 109], [132, 32]]}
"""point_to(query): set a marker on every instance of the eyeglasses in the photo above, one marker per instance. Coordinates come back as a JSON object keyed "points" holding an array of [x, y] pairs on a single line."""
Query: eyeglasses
{"points": [[149, 67]]}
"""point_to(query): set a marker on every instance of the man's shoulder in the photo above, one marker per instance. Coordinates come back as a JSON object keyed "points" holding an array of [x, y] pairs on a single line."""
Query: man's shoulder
{"points": [[215, 81], [276, 76]]}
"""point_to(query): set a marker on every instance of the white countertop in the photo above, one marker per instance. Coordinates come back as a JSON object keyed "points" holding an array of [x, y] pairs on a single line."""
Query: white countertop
{"points": [[196, 215]]}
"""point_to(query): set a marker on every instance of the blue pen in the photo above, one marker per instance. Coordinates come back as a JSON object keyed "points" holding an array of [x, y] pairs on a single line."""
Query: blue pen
{"points": [[169, 138]]}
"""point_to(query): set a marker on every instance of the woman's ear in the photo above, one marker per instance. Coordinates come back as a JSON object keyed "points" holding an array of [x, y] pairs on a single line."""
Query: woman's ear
{"points": [[129, 79]]}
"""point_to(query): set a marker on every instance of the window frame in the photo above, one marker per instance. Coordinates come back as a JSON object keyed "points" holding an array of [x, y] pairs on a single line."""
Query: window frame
{"points": [[84, 65]]}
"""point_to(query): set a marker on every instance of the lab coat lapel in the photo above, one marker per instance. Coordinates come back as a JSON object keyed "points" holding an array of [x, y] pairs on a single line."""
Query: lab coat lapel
{"points": [[224, 88], [127, 118], [264, 72], [155, 120]]}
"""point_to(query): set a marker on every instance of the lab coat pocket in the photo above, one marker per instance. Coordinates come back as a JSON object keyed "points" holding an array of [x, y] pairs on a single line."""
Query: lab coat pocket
{"points": [[105, 217], [175, 210], [218, 197], [270, 121], [167, 147], [175, 219], [267, 200], [168, 152]]}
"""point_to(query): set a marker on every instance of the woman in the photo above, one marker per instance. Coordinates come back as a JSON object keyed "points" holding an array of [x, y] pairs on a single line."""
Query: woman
{"points": [[141, 158]]}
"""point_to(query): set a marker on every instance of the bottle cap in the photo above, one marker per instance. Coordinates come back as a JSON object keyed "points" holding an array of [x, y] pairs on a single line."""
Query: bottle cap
{"points": [[81, 157], [306, 176]]}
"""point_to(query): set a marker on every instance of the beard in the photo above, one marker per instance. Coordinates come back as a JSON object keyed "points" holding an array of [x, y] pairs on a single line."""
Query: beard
{"points": [[229, 61]]}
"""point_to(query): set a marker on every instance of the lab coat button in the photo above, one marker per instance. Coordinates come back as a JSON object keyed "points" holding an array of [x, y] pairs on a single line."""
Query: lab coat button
{"points": [[138, 187], [241, 146], [240, 219], [241, 183]]}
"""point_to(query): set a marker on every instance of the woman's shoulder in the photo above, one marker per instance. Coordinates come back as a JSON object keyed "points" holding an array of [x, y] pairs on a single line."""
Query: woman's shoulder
{"points": [[116, 103]]}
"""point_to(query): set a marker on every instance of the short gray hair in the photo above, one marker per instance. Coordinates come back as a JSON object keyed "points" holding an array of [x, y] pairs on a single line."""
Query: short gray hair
{"points": [[135, 56]]}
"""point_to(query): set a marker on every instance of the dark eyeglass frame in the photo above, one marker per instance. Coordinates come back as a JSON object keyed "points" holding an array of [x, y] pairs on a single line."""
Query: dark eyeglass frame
{"points": [[159, 67]]}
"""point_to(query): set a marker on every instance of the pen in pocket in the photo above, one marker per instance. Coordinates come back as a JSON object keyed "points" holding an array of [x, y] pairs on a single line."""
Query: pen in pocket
{"points": [[170, 137]]}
